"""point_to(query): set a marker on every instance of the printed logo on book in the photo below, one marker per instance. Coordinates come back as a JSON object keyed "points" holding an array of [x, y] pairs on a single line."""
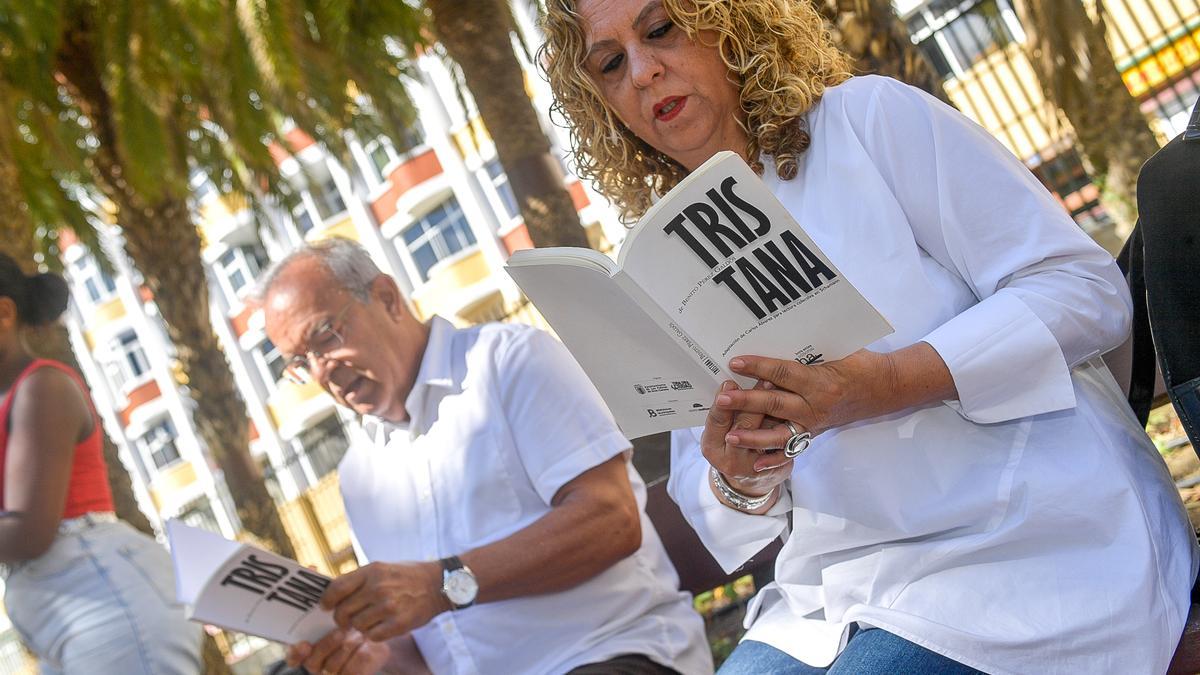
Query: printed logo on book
{"points": [[660, 412], [644, 388], [809, 356]]}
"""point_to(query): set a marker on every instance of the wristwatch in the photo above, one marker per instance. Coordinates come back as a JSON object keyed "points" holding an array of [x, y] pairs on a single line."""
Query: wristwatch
{"points": [[458, 583]]}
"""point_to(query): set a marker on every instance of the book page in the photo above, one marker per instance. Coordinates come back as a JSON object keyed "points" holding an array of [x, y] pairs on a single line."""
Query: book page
{"points": [[243, 588], [727, 263], [647, 381]]}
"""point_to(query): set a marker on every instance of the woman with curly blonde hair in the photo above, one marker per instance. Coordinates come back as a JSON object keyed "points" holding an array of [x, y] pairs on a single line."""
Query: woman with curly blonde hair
{"points": [[970, 493]]}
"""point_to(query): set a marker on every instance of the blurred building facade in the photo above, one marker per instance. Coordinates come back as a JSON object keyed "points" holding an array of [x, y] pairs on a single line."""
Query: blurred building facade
{"points": [[434, 209], [976, 46]]}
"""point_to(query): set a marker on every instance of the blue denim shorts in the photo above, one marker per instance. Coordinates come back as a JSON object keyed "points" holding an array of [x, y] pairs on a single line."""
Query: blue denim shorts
{"points": [[102, 600]]}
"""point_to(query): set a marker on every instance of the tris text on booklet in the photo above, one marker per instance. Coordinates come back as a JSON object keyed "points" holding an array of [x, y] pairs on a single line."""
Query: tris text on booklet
{"points": [[717, 268], [243, 588]]}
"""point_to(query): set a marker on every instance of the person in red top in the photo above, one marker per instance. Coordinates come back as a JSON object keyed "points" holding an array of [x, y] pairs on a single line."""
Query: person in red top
{"points": [[87, 593]]}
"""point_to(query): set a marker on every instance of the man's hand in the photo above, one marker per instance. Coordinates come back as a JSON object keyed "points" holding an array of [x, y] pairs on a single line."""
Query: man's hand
{"points": [[383, 600], [340, 652]]}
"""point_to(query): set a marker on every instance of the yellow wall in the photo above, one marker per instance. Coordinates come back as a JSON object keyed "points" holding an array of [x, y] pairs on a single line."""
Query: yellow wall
{"points": [[108, 311], [288, 397], [215, 216], [342, 228], [445, 282], [463, 140], [175, 477]]}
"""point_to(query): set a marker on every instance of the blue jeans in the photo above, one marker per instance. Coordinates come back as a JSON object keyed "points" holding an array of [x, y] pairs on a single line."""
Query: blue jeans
{"points": [[102, 600], [869, 652]]}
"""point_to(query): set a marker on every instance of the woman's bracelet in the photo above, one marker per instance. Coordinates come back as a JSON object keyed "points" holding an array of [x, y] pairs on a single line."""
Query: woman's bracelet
{"points": [[739, 501]]}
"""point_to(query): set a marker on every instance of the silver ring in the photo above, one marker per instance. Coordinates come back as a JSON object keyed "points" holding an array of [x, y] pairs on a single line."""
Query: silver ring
{"points": [[797, 444]]}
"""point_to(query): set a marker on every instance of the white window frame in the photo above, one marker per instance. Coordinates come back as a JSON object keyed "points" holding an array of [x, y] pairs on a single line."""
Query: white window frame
{"points": [[148, 445], [86, 270], [261, 360], [302, 209], [326, 184], [436, 238], [379, 174], [120, 368], [192, 514], [240, 263], [510, 214]]}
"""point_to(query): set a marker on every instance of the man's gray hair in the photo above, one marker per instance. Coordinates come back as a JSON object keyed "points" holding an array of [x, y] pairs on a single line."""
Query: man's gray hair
{"points": [[345, 259]]}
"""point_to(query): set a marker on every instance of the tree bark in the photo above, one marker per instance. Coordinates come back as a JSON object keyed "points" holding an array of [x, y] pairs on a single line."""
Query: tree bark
{"points": [[1068, 48], [879, 43], [477, 35], [164, 245]]}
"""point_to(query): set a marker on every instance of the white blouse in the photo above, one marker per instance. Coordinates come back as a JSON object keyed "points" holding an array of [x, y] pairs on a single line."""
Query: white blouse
{"points": [[1030, 526]]}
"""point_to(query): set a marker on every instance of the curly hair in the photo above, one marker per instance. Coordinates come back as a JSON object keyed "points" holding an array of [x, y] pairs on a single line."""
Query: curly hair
{"points": [[779, 52]]}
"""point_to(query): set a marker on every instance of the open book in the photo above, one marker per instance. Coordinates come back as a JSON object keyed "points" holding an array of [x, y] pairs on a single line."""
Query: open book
{"points": [[716, 269], [247, 589]]}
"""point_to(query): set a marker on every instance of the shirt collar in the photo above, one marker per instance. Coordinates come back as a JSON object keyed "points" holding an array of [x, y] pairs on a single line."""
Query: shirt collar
{"points": [[434, 378]]}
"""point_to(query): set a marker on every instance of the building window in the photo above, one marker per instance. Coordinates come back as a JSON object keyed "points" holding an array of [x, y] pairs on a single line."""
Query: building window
{"points": [[129, 362], [438, 235], [239, 266], [158, 444], [957, 34], [324, 445], [302, 219], [272, 360], [327, 198], [380, 154], [98, 285], [412, 137], [503, 189], [199, 513]]}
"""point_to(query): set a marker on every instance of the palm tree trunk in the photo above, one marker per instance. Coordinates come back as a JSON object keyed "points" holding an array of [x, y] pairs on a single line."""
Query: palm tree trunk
{"points": [[163, 243], [477, 35], [165, 247], [1068, 47], [879, 42]]}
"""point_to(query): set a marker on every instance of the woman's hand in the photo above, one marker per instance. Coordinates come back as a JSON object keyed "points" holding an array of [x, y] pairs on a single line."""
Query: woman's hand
{"points": [[816, 398], [751, 472]]}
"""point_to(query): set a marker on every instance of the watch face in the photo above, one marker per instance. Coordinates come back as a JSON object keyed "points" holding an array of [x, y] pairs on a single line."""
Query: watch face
{"points": [[460, 587]]}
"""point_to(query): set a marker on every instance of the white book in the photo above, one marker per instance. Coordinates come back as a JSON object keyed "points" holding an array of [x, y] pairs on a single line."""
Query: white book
{"points": [[243, 588], [717, 268]]}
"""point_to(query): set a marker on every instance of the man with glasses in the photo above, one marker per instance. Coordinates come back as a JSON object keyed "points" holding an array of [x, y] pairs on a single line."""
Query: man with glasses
{"points": [[490, 489]]}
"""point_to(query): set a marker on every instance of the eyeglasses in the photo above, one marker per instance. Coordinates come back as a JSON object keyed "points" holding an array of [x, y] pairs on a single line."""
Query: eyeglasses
{"points": [[324, 339]]}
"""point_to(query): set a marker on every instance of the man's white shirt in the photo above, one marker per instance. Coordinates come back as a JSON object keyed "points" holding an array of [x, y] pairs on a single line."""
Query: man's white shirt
{"points": [[1028, 527], [501, 417]]}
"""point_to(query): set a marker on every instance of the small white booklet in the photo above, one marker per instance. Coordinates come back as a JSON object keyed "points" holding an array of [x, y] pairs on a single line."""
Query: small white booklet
{"points": [[717, 268], [246, 589]]}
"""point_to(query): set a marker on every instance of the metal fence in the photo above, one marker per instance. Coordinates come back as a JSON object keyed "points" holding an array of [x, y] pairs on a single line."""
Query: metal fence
{"points": [[976, 45]]}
